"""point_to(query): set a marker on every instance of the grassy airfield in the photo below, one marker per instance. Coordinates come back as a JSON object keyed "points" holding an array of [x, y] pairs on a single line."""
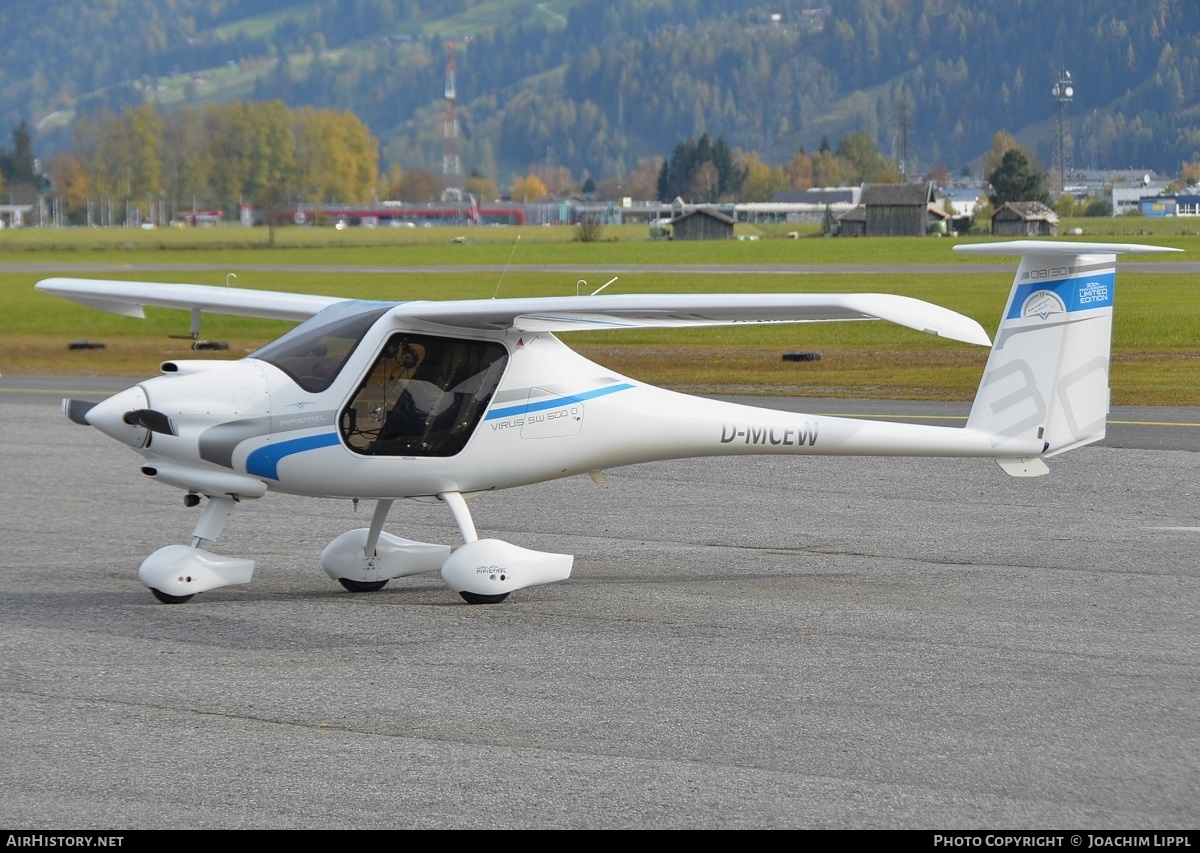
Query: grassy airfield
{"points": [[1156, 359]]}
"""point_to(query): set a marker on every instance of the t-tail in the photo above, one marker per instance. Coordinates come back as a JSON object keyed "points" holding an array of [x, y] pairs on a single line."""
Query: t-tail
{"points": [[1046, 381]]}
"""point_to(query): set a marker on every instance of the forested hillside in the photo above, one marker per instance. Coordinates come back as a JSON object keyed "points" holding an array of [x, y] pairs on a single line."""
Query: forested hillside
{"points": [[598, 86]]}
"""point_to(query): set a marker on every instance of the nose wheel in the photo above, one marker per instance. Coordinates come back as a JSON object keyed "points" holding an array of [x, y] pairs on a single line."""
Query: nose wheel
{"points": [[170, 599], [476, 598], [362, 586]]}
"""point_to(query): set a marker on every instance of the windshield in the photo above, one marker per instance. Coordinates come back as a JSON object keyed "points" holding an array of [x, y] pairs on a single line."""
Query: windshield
{"points": [[314, 352]]}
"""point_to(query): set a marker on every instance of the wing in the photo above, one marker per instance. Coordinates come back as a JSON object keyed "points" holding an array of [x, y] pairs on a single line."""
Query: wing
{"points": [[128, 298], [545, 314], [640, 311]]}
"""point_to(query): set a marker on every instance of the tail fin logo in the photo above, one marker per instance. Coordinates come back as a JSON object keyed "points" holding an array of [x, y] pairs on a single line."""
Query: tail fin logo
{"points": [[1043, 303], [1095, 293]]}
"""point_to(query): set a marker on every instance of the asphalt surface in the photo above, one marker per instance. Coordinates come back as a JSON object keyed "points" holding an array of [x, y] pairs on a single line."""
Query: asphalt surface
{"points": [[744, 643]]}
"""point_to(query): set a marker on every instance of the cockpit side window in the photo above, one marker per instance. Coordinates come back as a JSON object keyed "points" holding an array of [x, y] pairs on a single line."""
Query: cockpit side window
{"points": [[315, 352], [424, 396]]}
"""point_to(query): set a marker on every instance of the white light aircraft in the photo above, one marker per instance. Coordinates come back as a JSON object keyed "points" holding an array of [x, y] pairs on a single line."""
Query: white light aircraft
{"points": [[444, 401]]}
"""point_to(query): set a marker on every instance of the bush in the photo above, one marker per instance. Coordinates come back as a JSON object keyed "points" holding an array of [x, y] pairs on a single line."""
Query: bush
{"points": [[590, 229]]}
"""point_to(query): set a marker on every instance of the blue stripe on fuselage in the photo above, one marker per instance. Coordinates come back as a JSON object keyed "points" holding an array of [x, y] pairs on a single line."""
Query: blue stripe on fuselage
{"points": [[554, 402], [264, 462]]}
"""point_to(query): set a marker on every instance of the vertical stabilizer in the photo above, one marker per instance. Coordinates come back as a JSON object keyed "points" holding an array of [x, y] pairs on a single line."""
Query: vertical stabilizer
{"points": [[1046, 380]]}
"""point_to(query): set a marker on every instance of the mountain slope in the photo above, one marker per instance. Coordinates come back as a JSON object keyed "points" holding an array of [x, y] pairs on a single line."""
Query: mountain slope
{"points": [[595, 85]]}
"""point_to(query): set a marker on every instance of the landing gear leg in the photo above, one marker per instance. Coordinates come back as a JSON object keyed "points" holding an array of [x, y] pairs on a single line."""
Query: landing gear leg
{"points": [[380, 515], [466, 526]]}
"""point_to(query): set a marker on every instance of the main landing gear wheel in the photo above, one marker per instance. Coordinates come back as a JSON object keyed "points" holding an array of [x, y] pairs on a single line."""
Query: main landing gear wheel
{"points": [[362, 586], [170, 599], [476, 598]]}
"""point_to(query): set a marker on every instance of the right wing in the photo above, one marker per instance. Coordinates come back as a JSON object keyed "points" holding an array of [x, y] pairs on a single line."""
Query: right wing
{"points": [[540, 314]]}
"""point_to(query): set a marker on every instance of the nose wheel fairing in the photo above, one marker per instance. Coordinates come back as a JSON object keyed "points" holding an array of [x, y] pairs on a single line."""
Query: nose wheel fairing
{"points": [[177, 572], [181, 571]]}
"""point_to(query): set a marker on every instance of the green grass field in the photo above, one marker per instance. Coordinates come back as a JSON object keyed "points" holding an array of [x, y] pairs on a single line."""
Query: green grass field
{"points": [[1156, 357]]}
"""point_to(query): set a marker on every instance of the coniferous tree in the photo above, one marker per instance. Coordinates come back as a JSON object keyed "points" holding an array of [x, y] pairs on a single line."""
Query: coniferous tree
{"points": [[1016, 180], [17, 165]]}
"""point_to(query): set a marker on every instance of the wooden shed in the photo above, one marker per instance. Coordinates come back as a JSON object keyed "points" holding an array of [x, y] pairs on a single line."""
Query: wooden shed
{"points": [[702, 223], [853, 223], [897, 210], [1024, 219]]}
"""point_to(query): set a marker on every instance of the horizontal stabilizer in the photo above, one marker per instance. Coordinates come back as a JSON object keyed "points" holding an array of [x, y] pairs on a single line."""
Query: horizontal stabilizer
{"points": [[1059, 247]]}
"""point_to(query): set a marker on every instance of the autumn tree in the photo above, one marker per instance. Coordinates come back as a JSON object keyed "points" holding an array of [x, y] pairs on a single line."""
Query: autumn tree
{"points": [[336, 157], [71, 183], [186, 159], [388, 182], [528, 188], [556, 179], [1002, 143], [640, 184], [419, 186], [263, 154], [254, 145], [480, 187], [762, 180], [120, 155], [867, 164], [938, 175], [800, 171], [829, 170]]}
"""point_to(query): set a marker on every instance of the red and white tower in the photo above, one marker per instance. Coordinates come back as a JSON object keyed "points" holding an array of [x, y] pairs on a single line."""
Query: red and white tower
{"points": [[451, 158]]}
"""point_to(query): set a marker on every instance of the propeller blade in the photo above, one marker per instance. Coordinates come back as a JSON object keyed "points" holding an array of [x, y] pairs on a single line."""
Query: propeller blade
{"points": [[77, 410], [151, 420]]}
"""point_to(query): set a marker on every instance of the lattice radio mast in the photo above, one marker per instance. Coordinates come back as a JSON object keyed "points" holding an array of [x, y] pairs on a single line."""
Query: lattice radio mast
{"points": [[1063, 92]]}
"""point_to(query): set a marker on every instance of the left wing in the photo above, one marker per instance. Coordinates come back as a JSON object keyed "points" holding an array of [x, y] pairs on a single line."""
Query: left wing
{"points": [[128, 298], [641, 311]]}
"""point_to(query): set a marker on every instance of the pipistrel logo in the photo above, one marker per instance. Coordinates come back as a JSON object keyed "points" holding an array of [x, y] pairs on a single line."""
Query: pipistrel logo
{"points": [[1043, 303]]}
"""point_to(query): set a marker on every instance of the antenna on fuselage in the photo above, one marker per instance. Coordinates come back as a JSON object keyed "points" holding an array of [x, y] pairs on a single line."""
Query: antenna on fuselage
{"points": [[583, 283], [505, 270]]}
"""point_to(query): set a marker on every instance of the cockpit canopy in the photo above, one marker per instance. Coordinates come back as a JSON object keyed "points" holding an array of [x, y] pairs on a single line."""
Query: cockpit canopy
{"points": [[424, 395], [315, 352]]}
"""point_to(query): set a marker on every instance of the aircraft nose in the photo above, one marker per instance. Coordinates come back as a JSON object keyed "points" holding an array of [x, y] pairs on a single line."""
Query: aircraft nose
{"points": [[108, 416]]}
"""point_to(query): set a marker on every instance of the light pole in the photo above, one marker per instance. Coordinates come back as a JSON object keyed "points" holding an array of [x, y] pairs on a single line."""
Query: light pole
{"points": [[1063, 92]]}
